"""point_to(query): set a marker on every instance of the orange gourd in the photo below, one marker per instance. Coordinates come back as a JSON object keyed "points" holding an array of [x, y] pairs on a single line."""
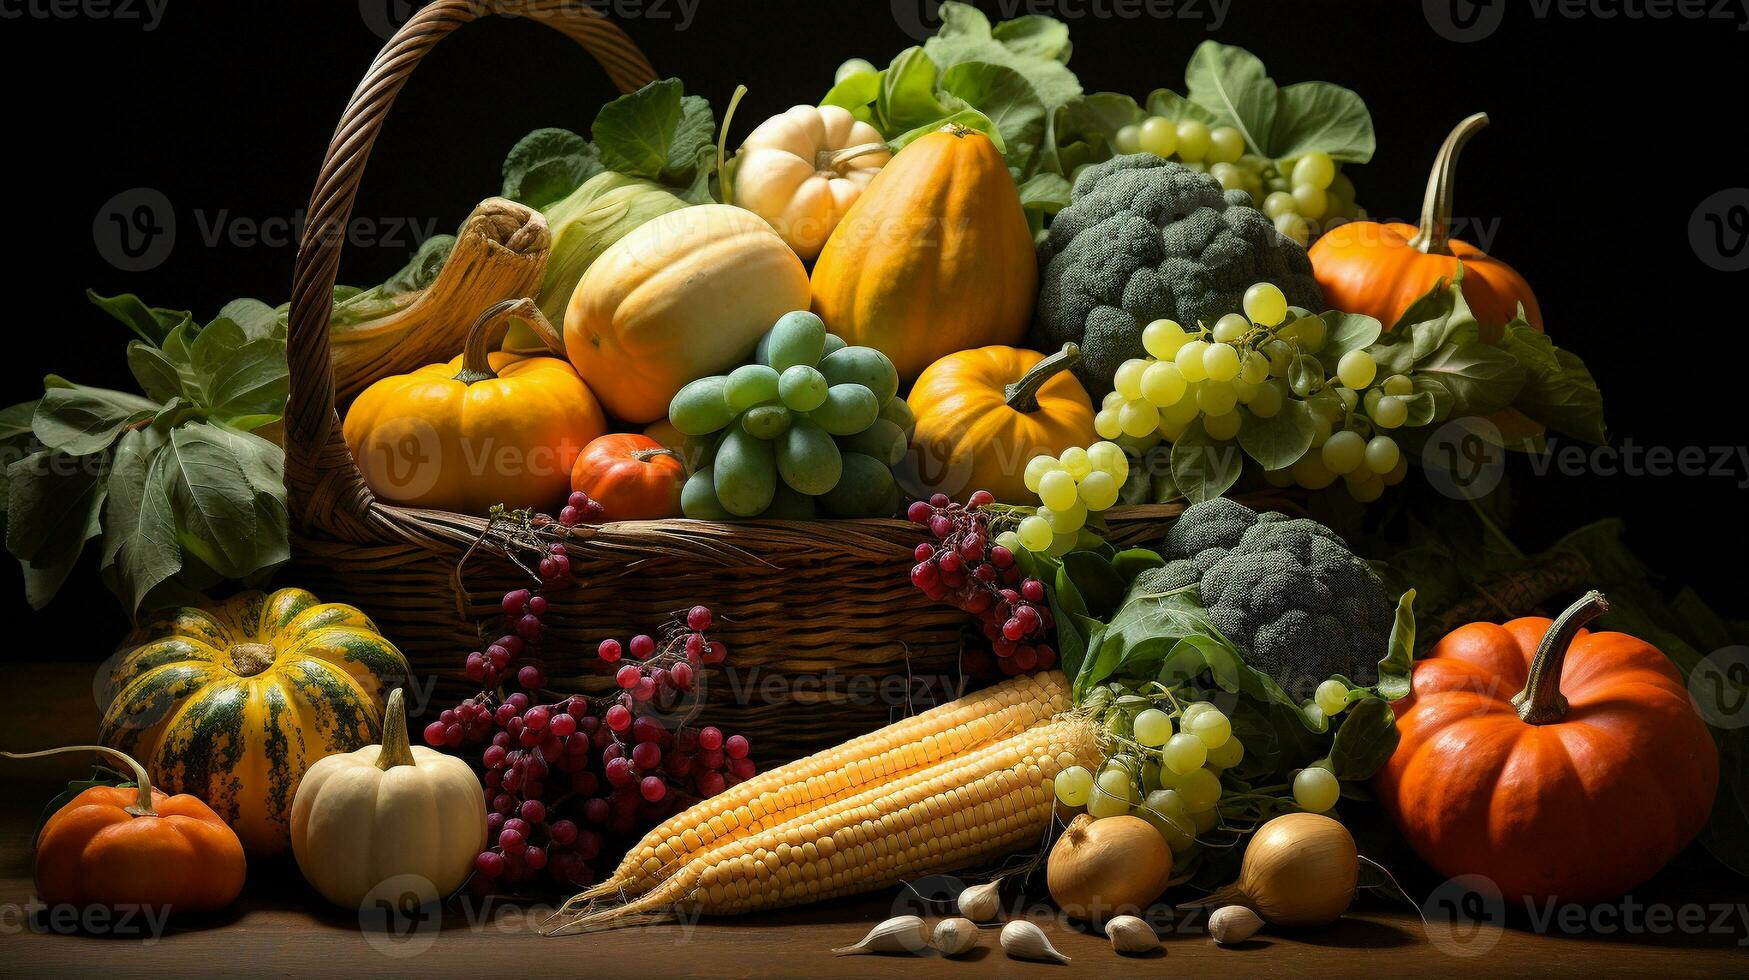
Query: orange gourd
{"points": [[1381, 269], [983, 414], [486, 428], [1578, 787], [135, 847], [632, 476], [934, 257]]}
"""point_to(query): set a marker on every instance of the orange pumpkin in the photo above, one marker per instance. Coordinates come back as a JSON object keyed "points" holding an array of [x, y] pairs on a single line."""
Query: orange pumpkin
{"points": [[633, 477], [934, 257], [1381, 269], [1578, 788], [117, 847], [983, 414]]}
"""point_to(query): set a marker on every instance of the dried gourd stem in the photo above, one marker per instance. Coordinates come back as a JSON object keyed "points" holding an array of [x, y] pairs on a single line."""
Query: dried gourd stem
{"points": [[1022, 395], [1541, 702], [725, 180], [488, 332], [142, 804], [828, 162], [396, 749], [1436, 206]]}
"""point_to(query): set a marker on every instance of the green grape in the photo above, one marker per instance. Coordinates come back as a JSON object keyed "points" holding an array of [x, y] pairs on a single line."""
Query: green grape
{"points": [[898, 412], [1399, 385], [1279, 203], [882, 440], [847, 410], [745, 472], [698, 498], [1074, 785], [1193, 709], [864, 366], [1220, 362], [1068, 520], [1201, 791], [1320, 429], [1099, 490], [749, 385], [1342, 186], [1254, 368], [1390, 412], [1332, 697], [1231, 177], [1186, 409], [1190, 360], [766, 421], [1116, 780], [1138, 445], [1076, 461], [1226, 145], [1382, 454], [851, 69], [1211, 726], [1163, 384], [1365, 487], [1062, 544], [1281, 357], [1009, 540], [1162, 338], [1035, 533], [796, 338], [1356, 369], [1107, 424], [1344, 452], [1193, 141], [1349, 398], [1152, 727], [1164, 808], [1316, 789], [1184, 753], [808, 459], [1103, 804], [1230, 754], [1294, 227], [1223, 426], [1309, 332], [1265, 304], [1311, 202], [1266, 402], [1315, 169], [1205, 820], [1216, 398], [802, 388], [1128, 379], [1230, 328], [1057, 490], [1138, 418], [834, 343], [1398, 472], [1035, 471], [1112, 401], [700, 409], [1109, 458], [1158, 136], [1128, 139], [1370, 401], [1313, 713]]}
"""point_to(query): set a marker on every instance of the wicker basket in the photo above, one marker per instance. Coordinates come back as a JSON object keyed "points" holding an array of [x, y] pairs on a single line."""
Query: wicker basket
{"points": [[820, 618]]}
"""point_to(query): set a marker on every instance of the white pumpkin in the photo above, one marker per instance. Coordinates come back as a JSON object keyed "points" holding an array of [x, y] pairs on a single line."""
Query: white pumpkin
{"points": [[803, 169], [362, 818]]}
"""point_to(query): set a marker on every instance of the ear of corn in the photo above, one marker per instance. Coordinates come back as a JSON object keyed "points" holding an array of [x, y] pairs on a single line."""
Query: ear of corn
{"points": [[957, 813], [779, 795]]}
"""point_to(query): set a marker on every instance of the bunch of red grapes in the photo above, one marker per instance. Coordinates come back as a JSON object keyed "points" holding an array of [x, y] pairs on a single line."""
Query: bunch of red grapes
{"points": [[965, 568]]}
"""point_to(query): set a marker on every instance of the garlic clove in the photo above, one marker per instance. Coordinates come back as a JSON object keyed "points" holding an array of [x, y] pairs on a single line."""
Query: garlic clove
{"points": [[955, 936], [1129, 934], [903, 934], [1024, 941], [980, 903], [1233, 924]]}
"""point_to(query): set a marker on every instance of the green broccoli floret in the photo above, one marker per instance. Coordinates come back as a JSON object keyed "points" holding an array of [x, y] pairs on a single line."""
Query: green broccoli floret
{"points": [[1287, 591], [1144, 239]]}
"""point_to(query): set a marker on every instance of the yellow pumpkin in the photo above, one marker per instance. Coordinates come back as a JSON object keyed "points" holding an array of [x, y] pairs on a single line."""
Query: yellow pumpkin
{"points": [[935, 257], [486, 428], [232, 703], [802, 170], [983, 414], [685, 295]]}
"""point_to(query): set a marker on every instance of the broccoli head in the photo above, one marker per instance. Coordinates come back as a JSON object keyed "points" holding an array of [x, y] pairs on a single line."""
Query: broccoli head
{"points": [[1144, 239], [1286, 591]]}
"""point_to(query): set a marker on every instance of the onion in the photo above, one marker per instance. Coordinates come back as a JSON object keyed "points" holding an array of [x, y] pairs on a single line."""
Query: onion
{"points": [[1100, 867], [1299, 870]]}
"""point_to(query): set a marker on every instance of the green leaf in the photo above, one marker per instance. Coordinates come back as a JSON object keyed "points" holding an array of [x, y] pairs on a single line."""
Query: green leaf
{"points": [[1440, 317], [100, 776], [1134, 561], [262, 462], [1202, 468], [252, 381], [52, 508], [214, 501], [1010, 103], [909, 97], [1099, 585], [1345, 332], [1035, 35], [1558, 390], [857, 91], [1397, 666], [15, 422], [1364, 741], [1305, 373], [1171, 105], [1423, 409], [692, 150], [1045, 193], [257, 319], [140, 536], [969, 118], [1468, 379], [157, 376], [1320, 116], [80, 421], [151, 323], [1279, 441], [548, 164], [635, 132], [966, 35], [1233, 84]]}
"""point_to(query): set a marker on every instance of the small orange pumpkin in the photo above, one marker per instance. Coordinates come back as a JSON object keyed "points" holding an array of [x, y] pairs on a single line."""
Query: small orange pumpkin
{"points": [[983, 414], [1579, 787], [117, 847], [632, 476], [1381, 269]]}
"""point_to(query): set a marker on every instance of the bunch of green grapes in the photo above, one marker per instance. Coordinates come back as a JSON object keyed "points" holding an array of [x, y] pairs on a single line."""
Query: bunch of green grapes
{"points": [[1242, 367], [1166, 760], [1300, 194], [1072, 486], [812, 424]]}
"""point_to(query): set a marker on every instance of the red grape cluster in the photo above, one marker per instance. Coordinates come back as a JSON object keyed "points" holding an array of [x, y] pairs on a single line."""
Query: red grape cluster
{"points": [[967, 569], [561, 778]]}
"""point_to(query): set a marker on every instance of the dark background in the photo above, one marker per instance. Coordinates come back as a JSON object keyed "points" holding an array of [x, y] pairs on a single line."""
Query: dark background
{"points": [[1606, 137]]}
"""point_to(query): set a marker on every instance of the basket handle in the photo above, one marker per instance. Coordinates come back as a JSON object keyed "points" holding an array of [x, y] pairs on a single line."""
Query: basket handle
{"points": [[327, 492]]}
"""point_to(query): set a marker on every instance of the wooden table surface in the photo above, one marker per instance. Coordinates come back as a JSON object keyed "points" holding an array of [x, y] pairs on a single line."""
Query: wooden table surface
{"points": [[1691, 921]]}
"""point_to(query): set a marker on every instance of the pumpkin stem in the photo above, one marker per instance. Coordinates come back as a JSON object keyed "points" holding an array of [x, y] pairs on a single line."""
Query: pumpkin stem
{"points": [[396, 750], [827, 162], [1436, 207], [725, 180], [1541, 702], [249, 659], [1022, 395], [645, 455], [488, 332], [142, 805]]}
